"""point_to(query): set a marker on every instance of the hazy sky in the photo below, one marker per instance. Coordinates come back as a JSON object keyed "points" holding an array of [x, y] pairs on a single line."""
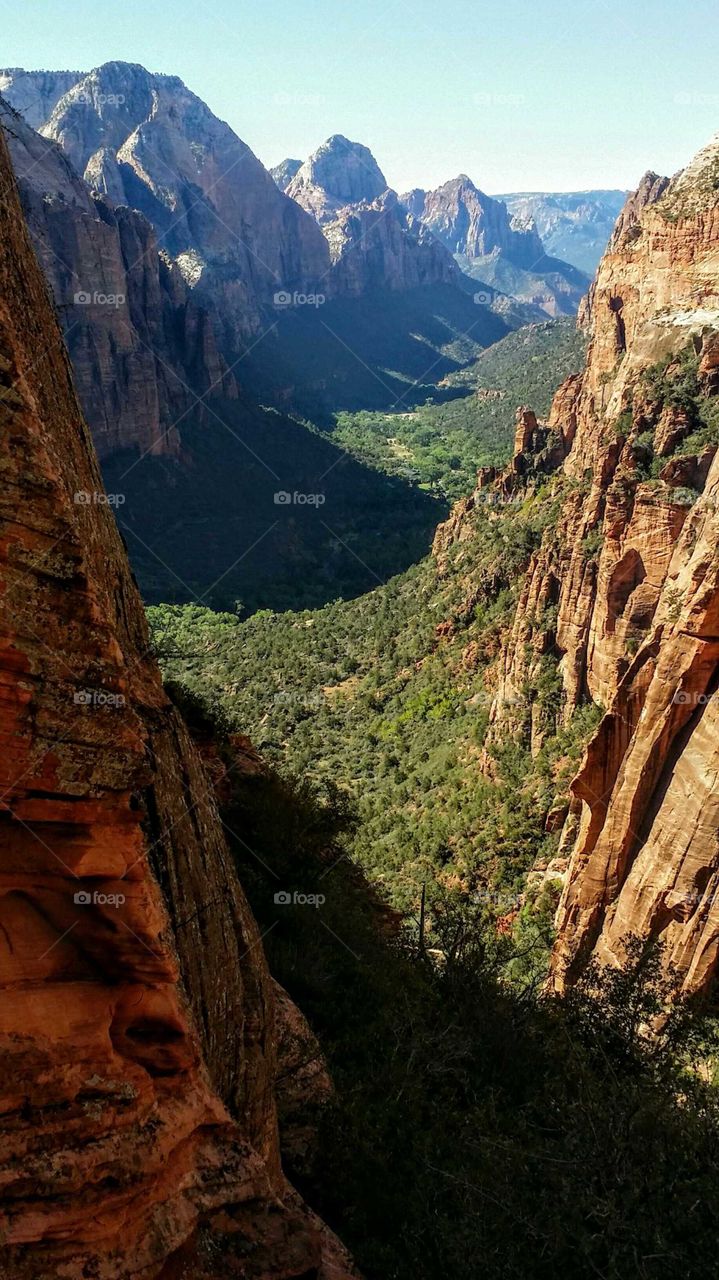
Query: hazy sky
{"points": [[519, 94]]}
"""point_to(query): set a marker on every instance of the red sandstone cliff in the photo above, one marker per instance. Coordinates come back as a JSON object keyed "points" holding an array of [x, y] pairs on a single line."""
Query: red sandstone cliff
{"points": [[629, 575], [137, 1015]]}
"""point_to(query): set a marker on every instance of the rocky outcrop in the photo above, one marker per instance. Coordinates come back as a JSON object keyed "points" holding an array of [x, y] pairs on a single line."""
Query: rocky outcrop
{"points": [[136, 1012], [143, 352], [284, 172], [624, 590], [146, 141], [379, 246], [473, 224], [337, 174], [502, 250], [374, 243], [35, 94]]}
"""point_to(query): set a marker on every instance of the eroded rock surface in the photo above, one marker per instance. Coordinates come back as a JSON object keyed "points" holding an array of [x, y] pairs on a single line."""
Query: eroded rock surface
{"points": [[120, 915], [143, 351], [624, 589]]}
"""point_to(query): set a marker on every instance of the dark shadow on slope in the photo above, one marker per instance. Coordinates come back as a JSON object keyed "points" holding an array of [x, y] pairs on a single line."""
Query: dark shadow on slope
{"points": [[380, 351], [263, 509]]}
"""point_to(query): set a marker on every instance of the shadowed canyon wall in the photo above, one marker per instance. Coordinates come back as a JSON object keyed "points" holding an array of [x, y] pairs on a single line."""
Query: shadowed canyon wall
{"points": [[137, 1014]]}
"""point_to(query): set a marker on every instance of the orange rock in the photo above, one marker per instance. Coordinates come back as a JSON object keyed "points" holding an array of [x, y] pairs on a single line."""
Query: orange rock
{"points": [[136, 1011]]}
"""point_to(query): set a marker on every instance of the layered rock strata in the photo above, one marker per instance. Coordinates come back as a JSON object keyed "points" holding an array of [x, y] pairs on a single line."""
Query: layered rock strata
{"points": [[137, 1011]]}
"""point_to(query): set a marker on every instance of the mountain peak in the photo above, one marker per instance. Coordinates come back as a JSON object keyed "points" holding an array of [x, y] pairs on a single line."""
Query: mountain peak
{"points": [[338, 173], [696, 187]]}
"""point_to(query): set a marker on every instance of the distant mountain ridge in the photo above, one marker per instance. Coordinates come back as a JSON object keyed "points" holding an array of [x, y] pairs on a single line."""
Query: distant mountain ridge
{"points": [[495, 245], [574, 225]]}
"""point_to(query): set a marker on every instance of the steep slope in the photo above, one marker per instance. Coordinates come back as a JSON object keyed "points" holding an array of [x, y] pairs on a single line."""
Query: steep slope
{"points": [[338, 173], [374, 243], [142, 350], [624, 591], [284, 172], [304, 319], [119, 1158], [505, 252], [35, 94], [473, 224], [574, 225], [145, 140]]}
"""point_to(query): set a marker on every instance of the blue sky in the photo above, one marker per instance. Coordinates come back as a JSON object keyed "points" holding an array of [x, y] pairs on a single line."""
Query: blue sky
{"points": [[550, 95]]}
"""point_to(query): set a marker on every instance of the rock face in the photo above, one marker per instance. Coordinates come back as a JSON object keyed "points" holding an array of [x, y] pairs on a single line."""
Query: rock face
{"points": [[284, 172], [630, 573], [574, 225], [473, 224], [127, 951], [338, 173], [504, 251], [142, 350], [374, 242], [378, 246], [146, 141], [35, 94]]}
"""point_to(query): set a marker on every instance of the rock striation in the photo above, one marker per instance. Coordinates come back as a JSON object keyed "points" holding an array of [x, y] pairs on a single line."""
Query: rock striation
{"points": [[143, 351], [137, 1014], [337, 174], [377, 246], [473, 224], [284, 172], [624, 590], [504, 250], [146, 141], [374, 242]]}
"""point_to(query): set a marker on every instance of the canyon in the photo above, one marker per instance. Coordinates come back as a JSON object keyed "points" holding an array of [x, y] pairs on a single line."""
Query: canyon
{"points": [[364, 913], [574, 225]]}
